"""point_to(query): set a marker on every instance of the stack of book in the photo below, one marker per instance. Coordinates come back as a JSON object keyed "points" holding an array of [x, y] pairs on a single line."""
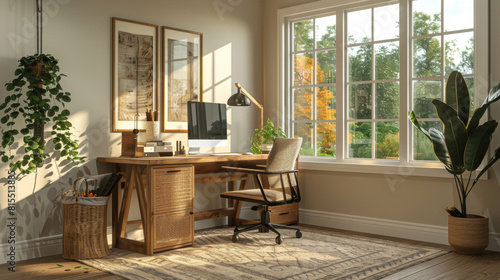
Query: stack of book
{"points": [[158, 149]]}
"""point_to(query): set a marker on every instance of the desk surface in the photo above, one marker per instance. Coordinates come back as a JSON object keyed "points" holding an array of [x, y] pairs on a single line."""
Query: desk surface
{"points": [[188, 159]]}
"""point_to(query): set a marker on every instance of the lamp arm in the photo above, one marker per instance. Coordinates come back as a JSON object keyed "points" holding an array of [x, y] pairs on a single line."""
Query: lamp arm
{"points": [[257, 104]]}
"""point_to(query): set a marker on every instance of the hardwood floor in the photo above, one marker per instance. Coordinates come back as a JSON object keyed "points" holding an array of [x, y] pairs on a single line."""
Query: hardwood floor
{"points": [[452, 266]]}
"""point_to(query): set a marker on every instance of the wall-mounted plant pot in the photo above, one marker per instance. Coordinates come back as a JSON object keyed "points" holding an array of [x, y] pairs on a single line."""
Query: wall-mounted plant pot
{"points": [[468, 236]]}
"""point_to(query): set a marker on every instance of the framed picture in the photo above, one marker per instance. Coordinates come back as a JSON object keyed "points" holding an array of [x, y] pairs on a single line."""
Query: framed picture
{"points": [[135, 73], [181, 65]]}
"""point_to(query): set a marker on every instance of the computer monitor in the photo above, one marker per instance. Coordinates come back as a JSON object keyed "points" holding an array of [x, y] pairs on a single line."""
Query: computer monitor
{"points": [[207, 125]]}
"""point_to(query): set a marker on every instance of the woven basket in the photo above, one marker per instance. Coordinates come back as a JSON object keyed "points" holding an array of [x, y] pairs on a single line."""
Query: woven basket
{"points": [[84, 233]]}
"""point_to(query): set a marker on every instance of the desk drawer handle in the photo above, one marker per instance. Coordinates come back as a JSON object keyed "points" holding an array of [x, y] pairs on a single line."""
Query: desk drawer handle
{"points": [[172, 171], [285, 213]]}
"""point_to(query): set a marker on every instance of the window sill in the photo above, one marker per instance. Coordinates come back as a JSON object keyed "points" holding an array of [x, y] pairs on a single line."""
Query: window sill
{"points": [[394, 168]]}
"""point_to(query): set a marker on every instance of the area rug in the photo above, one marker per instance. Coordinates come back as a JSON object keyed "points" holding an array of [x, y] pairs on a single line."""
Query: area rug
{"points": [[317, 255]]}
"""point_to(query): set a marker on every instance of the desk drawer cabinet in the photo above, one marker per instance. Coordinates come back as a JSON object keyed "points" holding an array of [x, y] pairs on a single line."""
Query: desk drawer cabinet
{"points": [[173, 207], [285, 214]]}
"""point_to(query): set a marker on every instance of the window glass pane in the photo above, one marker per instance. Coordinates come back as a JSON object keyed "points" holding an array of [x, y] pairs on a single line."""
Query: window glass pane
{"points": [[360, 101], [387, 140], [359, 26], [422, 146], [302, 100], [426, 17], [325, 32], [423, 93], [303, 35], [326, 139], [360, 63], [326, 104], [387, 61], [360, 140], [302, 69], [386, 22], [427, 57], [387, 101], [459, 53], [458, 14], [304, 130], [325, 70]]}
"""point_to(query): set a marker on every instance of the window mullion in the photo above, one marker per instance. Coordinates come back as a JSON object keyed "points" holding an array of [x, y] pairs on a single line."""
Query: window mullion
{"points": [[405, 91], [340, 89], [374, 91]]}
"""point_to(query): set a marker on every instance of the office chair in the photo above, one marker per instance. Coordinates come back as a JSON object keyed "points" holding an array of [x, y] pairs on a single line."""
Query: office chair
{"points": [[285, 189]]}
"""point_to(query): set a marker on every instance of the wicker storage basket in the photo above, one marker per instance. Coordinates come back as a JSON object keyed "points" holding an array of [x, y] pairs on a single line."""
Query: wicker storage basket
{"points": [[84, 233]]}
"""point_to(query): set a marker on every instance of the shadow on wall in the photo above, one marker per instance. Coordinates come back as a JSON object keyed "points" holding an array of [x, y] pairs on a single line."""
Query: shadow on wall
{"points": [[39, 210]]}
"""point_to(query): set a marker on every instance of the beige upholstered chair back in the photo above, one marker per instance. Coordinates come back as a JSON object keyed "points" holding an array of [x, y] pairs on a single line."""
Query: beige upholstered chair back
{"points": [[283, 154]]}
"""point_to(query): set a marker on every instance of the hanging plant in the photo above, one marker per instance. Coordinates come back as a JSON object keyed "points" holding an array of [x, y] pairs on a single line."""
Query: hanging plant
{"points": [[36, 98]]}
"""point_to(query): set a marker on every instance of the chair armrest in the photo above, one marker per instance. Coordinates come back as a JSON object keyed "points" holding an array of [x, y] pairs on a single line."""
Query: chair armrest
{"points": [[257, 171]]}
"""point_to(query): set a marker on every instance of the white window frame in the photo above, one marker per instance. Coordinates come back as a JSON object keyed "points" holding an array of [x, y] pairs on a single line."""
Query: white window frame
{"points": [[404, 166]]}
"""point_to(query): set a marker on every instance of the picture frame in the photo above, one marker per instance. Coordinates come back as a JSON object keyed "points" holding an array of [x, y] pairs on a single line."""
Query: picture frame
{"points": [[134, 73], [181, 67]]}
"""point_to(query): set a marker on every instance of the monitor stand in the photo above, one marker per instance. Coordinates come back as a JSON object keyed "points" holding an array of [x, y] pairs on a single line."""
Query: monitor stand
{"points": [[194, 151]]}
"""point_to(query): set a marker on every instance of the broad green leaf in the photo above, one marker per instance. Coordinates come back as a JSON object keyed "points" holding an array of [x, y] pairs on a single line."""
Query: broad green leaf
{"points": [[415, 122], [493, 159], [455, 134], [457, 95], [440, 149], [478, 145], [493, 95]]}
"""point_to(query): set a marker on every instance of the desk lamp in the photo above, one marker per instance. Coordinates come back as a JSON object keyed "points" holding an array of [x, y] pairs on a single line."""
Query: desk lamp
{"points": [[243, 98]]}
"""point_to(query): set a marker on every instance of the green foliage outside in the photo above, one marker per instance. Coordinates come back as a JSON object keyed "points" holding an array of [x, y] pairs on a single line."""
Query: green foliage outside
{"points": [[426, 63]]}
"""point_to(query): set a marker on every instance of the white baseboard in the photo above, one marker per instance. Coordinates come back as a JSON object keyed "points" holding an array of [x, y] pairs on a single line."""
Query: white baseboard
{"points": [[413, 231], [34, 248], [52, 245]]}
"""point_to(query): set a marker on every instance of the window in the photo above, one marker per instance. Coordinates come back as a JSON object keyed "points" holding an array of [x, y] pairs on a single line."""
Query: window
{"points": [[313, 86], [442, 41], [351, 73]]}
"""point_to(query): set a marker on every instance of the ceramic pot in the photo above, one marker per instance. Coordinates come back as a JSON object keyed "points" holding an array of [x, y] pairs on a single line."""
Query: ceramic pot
{"points": [[266, 148], [468, 236]]}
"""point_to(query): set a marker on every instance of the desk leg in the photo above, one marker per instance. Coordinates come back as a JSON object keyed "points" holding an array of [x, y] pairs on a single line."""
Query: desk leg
{"points": [[235, 219], [143, 210]]}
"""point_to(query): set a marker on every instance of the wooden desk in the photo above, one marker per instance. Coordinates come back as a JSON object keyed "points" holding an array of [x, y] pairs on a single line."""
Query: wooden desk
{"points": [[165, 191]]}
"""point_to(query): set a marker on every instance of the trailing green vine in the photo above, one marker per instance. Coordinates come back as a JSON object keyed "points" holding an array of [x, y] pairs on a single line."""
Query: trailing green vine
{"points": [[36, 98]]}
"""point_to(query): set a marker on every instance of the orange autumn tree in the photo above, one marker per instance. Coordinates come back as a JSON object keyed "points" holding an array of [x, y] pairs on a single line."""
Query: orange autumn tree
{"points": [[303, 106]]}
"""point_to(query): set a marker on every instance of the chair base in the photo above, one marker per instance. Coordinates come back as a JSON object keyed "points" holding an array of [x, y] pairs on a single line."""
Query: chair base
{"points": [[265, 226]]}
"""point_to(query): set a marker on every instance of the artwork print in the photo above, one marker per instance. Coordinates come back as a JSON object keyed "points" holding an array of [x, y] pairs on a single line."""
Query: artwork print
{"points": [[181, 80], [135, 73]]}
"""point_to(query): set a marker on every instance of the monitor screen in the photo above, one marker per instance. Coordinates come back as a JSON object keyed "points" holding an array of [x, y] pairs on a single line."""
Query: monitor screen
{"points": [[207, 124]]}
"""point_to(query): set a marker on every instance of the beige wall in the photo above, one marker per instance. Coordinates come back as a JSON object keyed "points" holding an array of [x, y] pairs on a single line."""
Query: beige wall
{"points": [[399, 198], [78, 33]]}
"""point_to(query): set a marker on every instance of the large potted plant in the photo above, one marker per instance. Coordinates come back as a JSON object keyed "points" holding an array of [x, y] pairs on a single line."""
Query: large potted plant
{"points": [[461, 147], [36, 98], [263, 139]]}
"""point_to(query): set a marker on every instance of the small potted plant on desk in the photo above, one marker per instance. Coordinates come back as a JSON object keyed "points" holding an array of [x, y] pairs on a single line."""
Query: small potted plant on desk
{"points": [[461, 148], [262, 141]]}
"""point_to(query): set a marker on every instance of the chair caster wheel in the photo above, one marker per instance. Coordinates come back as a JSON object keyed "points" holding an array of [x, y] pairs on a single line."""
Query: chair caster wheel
{"points": [[234, 238], [279, 239], [298, 234]]}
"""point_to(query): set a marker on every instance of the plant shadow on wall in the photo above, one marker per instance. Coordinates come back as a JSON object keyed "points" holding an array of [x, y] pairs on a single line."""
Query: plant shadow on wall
{"points": [[461, 148]]}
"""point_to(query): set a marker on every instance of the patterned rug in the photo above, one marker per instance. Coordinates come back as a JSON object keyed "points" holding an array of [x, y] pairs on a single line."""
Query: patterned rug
{"points": [[317, 255]]}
